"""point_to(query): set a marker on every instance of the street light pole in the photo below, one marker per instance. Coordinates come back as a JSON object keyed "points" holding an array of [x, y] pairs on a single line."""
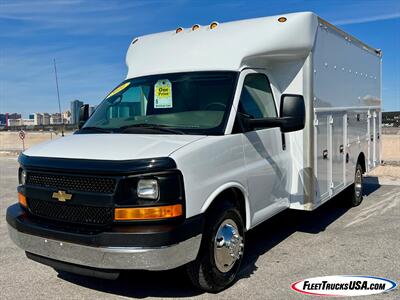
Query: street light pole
{"points": [[58, 97]]}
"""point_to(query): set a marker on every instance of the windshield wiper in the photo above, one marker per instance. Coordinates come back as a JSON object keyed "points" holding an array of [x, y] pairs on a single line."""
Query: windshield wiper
{"points": [[98, 129], [163, 128]]}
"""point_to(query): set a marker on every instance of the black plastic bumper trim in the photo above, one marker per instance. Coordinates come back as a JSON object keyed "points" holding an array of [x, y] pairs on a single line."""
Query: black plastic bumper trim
{"points": [[75, 269], [132, 235]]}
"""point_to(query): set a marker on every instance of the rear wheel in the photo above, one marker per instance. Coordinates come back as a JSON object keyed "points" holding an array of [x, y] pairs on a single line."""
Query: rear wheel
{"points": [[221, 251], [356, 190]]}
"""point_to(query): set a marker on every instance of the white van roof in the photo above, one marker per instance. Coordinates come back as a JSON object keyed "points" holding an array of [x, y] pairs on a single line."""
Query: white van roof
{"points": [[230, 46]]}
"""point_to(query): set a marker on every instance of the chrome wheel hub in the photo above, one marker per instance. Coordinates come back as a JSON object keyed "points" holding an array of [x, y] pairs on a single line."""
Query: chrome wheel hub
{"points": [[228, 245], [358, 183]]}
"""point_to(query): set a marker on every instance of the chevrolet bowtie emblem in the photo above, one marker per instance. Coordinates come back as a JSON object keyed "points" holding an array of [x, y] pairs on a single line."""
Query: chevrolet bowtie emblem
{"points": [[62, 196]]}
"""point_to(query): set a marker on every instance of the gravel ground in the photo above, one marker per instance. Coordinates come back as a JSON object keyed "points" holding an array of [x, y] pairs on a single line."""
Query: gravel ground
{"points": [[386, 174], [10, 141], [291, 246]]}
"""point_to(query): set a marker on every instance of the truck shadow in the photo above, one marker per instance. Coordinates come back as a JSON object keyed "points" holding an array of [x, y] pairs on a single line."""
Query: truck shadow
{"points": [[140, 284], [281, 226], [174, 283]]}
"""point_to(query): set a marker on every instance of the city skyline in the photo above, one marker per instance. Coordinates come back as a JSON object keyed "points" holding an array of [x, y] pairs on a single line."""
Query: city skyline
{"points": [[89, 42], [70, 116]]}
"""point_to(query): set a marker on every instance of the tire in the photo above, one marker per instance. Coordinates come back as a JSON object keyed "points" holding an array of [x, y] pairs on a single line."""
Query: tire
{"points": [[215, 268], [356, 189]]}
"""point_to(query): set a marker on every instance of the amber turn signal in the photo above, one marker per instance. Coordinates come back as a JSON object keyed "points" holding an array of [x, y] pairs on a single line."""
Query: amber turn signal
{"points": [[22, 200], [148, 213]]}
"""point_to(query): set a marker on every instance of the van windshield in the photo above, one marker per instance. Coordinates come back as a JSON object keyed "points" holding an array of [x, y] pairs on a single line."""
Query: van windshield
{"points": [[178, 103]]}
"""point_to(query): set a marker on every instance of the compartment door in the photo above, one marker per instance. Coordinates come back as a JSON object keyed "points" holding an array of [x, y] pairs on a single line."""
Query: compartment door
{"points": [[322, 155], [371, 140], [338, 151]]}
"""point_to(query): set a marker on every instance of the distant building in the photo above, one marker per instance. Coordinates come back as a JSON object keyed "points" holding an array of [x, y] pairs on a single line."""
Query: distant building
{"points": [[14, 122], [75, 108], [391, 119], [19, 122], [28, 122], [31, 116], [92, 108], [46, 119], [55, 119], [67, 117], [37, 119], [3, 120], [13, 116], [8, 116]]}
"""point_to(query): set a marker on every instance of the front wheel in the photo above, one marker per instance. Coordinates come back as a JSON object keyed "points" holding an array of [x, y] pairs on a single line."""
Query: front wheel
{"points": [[221, 251]]}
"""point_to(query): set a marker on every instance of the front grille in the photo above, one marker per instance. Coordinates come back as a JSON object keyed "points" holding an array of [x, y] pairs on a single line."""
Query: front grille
{"points": [[78, 214], [102, 185]]}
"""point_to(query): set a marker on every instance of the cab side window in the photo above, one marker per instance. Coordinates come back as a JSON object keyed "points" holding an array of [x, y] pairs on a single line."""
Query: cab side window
{"points": [[256, 99]]}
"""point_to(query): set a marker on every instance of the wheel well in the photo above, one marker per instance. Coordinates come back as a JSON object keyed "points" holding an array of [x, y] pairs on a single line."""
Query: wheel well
{"points": [[361, 160], [235, 196]]}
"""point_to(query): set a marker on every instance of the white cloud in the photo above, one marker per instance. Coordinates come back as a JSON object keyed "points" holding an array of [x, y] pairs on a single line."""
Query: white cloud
{"points": [[360, 20], [76, 17]]}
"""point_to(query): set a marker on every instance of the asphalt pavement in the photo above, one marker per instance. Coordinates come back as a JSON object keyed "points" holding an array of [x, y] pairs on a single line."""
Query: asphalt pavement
{"points": [[294, 245]]}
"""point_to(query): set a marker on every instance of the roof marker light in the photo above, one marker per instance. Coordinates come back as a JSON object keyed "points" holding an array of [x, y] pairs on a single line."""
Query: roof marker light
{"points": [[179, 29], [213, 25], [282, 19], [195, 27]]}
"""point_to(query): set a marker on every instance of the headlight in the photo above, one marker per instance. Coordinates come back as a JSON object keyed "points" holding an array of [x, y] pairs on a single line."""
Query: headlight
{"points": [[22, 177], [148, 189]]}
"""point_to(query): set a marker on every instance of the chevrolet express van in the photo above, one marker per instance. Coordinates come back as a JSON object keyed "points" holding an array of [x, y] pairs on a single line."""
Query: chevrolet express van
{"points": [[216, 129]]}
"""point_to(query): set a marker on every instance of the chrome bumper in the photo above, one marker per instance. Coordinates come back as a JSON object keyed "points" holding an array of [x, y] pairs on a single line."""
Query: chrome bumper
{"points": [[122, 258]]}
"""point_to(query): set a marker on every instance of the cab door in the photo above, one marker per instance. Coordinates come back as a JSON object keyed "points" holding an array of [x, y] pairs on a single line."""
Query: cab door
{"points": [[263, 149]]}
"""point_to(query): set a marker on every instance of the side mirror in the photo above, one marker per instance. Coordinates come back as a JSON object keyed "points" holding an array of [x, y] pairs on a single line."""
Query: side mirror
{"points": [[292, 113], [83, 115], [292, 116]]}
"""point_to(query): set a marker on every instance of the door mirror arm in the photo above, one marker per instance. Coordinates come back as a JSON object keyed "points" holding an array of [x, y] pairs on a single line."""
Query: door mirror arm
{"points": [[266, 122]]}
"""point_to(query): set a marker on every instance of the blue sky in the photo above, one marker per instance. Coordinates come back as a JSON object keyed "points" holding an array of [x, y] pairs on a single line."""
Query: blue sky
{"points": [[89, 40]]}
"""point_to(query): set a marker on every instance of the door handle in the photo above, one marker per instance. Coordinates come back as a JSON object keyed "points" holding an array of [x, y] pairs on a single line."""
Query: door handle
{"points": [[325, 154]]}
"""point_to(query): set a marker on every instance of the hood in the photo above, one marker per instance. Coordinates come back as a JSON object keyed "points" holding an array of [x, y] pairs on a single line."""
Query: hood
{"points": [[112, 146]]}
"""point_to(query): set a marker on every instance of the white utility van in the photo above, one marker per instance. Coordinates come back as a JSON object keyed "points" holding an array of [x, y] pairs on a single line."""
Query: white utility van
{"points": [[216, 129]]}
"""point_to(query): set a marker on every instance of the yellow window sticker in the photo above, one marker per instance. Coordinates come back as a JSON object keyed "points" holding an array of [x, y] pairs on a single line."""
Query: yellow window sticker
{"points": [[163, 94], [118, 89]]}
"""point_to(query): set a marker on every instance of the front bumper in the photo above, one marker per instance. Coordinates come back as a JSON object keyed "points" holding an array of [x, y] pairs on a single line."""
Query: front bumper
{"points": [[158, 258], [40, 240]]}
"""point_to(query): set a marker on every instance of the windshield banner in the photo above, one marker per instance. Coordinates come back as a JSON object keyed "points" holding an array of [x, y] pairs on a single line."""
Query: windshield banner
{"points": [[163, 94]]}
